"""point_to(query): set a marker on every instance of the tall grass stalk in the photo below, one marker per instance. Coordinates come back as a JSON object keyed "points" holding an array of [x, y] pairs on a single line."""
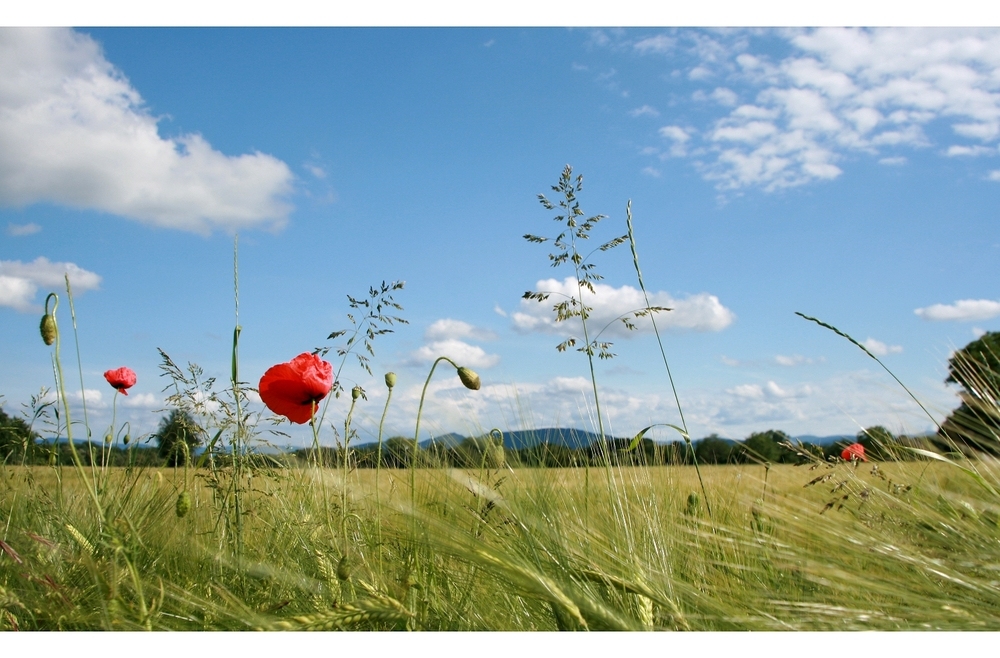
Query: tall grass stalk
{"points": [[79, 365], [656, 331]]}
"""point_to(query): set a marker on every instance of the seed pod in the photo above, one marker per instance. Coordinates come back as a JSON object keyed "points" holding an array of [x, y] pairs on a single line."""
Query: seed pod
{"points": [[183, 504], [469, 378], [48, 329], [344, 569], [390, 379], [693, 504]]}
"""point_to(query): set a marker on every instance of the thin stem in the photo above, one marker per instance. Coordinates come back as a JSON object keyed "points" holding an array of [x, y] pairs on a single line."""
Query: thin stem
{"points": [[663, 353], [347, 457], [79, 365], [65, 400], [416, 432], [238, 448], [378, 470]]}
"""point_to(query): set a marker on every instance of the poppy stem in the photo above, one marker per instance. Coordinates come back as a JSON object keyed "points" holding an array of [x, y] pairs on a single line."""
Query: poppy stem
{"points": [[416, 433], [346, 457]]}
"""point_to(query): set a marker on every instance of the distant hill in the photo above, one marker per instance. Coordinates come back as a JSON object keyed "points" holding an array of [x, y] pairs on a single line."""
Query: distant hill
{"points": [[575, 438], [824, 440], [517, 439]]}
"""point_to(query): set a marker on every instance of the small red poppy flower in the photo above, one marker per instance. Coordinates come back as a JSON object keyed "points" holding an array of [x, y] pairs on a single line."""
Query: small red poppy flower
{"points": [[854, 451], [121, 379], [292, 389]]}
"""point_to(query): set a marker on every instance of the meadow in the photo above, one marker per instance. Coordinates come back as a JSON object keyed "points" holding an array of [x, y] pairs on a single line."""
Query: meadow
{"points": [[909, 545], [231, 538]]}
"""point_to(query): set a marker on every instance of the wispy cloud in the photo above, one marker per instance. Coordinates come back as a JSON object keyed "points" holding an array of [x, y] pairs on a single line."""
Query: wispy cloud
{"points": [[18, 230], [75, 132], [645, 110], [964, 310], [19, 282]]}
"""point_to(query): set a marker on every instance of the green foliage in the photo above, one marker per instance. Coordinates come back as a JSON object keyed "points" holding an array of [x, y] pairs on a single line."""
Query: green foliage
{"points": [[975, 424], [177, 429], [714, 450], [765, 447], [17, 440]]}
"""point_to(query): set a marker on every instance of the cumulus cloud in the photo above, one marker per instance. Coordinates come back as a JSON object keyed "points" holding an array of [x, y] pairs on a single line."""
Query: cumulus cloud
{"points": [[462, 353], [18, 230], [964, 310], [75, 132], [841, 92], [701, 312], [878, 348], [447, 328], [679, 138], [19, 282]]}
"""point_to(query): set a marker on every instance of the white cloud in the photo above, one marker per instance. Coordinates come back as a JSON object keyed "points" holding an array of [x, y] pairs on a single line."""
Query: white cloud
{"points": [[447, 328], [658, 44], [893, 161], [18, 230], [315, 170], [19, 282], [972, 151], [141, 401], [878, 348], [94, 397], [792, 360], [724, 96], [75, 132], [994, 175], [652, 172], [679, 137], [701, 312], [844, 91], [460, 352], [964, 310], [645, 110]]}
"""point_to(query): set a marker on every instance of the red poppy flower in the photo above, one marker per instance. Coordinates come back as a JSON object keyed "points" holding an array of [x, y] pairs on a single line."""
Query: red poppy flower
{"points": [[291, 389], [121, 379], [854, 451]]}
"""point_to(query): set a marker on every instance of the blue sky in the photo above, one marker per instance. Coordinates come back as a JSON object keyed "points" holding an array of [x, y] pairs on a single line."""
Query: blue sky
{"points": [[848, 174]]}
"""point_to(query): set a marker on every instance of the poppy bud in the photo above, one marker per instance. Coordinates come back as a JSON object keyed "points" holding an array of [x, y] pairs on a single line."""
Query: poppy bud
{"points": [[469, 378], [183, 504], [344, 569], [107, 437], [356, 392], [48, 329], [693, 503], [390, 379], [127, 439]]}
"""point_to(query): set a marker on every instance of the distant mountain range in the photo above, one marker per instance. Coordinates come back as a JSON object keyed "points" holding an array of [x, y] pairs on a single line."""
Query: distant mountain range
{"points": [[574, 438]]}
